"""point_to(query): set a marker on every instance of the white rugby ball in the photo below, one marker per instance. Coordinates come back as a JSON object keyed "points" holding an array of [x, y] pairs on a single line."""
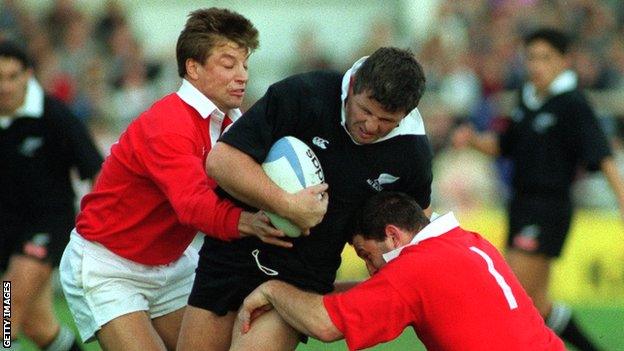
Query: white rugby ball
{"points": [[293, 166]]}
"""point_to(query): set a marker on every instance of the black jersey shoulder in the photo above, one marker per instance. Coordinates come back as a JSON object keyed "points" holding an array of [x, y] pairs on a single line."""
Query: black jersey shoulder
{"points": [[315, 83], [311, 88]]}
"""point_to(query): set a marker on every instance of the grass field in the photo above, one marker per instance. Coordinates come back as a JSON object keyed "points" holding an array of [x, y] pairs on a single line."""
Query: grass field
{"points": [[605, 325]]}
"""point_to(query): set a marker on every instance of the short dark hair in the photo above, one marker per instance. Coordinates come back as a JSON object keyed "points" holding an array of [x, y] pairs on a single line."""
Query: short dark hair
{"points": [[205, 28], [12, 50], [393, 77], [554, 37], [384, 208]]}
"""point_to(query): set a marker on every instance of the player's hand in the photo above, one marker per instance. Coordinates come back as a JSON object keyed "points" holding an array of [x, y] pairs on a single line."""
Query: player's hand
{"points": [[258, 224], [462, 136], [253, 306], [307, 207]]}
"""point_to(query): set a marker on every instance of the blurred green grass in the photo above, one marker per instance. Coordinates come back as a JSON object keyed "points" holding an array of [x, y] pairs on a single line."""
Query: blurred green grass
{"points": [[604, 324]]}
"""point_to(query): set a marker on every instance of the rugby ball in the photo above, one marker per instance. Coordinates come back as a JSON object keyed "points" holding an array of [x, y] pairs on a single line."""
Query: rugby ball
{"points": [[293, 166]]}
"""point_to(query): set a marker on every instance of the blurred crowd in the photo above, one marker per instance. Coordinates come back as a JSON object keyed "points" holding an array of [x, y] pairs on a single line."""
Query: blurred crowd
{"points": [[471, 55], [94, 64], [97, 65]]}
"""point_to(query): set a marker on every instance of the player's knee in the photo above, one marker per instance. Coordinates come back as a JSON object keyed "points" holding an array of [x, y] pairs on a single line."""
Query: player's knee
{"points": [[39, 326]]}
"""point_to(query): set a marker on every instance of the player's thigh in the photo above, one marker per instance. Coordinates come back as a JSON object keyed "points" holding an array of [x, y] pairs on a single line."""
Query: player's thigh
{"points": [[130, 332], [169, 301], [28, 276], [269, 332], [101, 287], [204, 330], [168, 327], [533, 272], [41, 326]]}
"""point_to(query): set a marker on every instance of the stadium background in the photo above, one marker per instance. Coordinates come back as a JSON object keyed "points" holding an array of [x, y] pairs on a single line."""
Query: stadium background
{"points": [[110, 59]]}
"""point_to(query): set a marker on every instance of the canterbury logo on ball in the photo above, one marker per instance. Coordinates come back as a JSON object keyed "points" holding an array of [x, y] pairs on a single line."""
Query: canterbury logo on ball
{"points": [[384, 178], [317, 164]]}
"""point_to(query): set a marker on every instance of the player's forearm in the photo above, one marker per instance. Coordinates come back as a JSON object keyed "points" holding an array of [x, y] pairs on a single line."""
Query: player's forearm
{"points": [[304, 311], [243, 178], [609, 169]]}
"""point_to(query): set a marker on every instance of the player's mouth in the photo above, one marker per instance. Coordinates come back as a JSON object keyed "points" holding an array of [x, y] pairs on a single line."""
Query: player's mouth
{"points": [[238, 93], [365, 135]]}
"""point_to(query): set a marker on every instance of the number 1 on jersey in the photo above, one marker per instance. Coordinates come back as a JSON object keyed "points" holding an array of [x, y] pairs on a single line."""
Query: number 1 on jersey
{"points": [[500, 280]]}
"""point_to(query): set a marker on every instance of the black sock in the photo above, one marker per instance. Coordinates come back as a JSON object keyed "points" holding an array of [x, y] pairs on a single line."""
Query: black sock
{"points": [[561, 321]]}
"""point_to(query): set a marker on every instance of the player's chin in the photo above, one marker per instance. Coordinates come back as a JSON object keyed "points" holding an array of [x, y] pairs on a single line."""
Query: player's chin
{"points": [[368, 139], [235, 102]]}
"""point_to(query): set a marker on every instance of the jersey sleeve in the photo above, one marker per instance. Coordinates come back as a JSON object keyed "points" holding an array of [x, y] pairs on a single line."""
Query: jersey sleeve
{"points": [[370, 313], [179, 173], [419, 186], [275, 115], [593, 144], [78, 142]]}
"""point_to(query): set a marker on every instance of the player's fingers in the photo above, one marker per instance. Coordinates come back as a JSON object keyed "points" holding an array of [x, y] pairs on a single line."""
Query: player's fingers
{"points": [[277, 242], [319, 188], [244, 317], [272, 231], [263, 217], [269, 230], [325, 198], [259, 312]]}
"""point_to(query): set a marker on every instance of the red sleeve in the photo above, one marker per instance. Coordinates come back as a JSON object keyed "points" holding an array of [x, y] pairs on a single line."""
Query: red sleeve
{"points": [[370, 313], [180, 175]]}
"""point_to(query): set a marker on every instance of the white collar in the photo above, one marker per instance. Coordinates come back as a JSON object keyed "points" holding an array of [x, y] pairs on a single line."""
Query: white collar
{"points": [[441, 225], [564, 82], [192, 96], [33, 101], [412, 124]]}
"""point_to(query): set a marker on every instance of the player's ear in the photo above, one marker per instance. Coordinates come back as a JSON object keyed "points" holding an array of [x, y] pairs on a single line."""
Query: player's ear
{"points": [[191, 68], [394, 235], [30, 72]]}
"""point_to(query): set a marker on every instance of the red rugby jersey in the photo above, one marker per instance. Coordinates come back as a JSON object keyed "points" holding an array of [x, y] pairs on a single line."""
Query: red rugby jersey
{"points": [[456, 291], [153, 194]]}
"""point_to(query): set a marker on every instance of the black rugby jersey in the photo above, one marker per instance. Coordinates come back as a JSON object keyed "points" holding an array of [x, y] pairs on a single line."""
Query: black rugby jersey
{"points": [[547, 141], [37, 154], [308, 107]]}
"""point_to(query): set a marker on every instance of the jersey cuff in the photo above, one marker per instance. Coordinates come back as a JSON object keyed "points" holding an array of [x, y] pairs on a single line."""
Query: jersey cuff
{"points": [[231, 224]]}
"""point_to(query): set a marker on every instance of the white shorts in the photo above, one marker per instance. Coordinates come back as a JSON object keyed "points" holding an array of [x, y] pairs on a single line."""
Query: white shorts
{"points": [[100, 286]]}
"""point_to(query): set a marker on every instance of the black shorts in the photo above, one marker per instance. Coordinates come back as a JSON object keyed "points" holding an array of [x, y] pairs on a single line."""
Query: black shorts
{"points": [[539, 224], [41, 237], [228, 272]]}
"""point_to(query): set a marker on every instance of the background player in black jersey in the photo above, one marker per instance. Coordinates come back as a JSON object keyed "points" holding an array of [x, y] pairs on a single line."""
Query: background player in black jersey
{"points": [[41, 141], [552, 133], [368, 135]]}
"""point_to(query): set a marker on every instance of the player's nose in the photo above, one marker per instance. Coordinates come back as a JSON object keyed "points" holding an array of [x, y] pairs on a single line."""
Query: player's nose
{"points": [[371, 269], [242, 75], [371, 125]]}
